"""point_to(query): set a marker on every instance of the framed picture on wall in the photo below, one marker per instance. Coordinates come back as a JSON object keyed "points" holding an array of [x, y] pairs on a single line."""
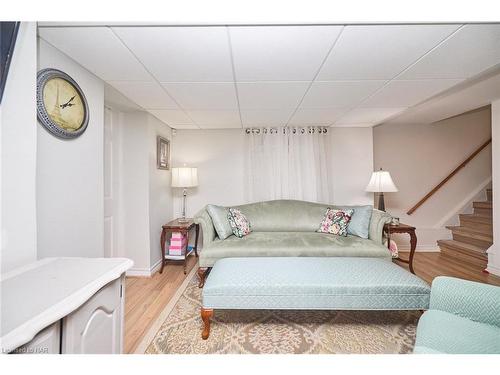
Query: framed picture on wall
{"points": [[162, 153]]}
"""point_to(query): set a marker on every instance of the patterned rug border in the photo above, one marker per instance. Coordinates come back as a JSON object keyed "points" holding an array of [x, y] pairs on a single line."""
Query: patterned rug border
{"points": [[150, 335]]}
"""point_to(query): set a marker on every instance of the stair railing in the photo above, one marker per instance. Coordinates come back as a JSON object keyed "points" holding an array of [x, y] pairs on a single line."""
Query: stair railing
{"points": [[445, 180]]}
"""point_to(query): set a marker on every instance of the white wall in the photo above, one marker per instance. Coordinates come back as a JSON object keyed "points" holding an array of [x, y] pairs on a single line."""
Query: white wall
{"points": [[146, 199], [219, 156], [494, 250], [352, 164], [18, 142], [135, 189], [419, 156], [160, 192], [70, 173]]}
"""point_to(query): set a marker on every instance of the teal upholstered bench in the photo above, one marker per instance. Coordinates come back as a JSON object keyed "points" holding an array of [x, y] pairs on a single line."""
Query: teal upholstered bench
{"points": [[308, 283]]}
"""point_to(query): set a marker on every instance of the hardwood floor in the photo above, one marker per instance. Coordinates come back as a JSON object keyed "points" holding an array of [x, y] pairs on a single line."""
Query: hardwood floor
{"points": [[145, 298], [429, 265]]}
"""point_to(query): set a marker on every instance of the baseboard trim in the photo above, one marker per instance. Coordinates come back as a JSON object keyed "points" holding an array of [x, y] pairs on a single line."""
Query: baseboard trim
{"points": [[144, 272], [138, 272], [493, 270], [156, 267]]}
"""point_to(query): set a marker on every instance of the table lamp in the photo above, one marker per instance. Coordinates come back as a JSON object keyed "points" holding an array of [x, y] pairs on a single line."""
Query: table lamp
{"points": [[381, 182], [184, 177]]}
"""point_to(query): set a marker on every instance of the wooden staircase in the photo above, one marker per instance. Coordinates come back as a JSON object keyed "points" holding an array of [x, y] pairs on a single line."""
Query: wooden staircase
{"points": [[474, 235]]}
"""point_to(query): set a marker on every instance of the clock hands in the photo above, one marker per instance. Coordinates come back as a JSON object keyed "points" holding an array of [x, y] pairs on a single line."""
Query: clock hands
{"points": [[68, 103]]}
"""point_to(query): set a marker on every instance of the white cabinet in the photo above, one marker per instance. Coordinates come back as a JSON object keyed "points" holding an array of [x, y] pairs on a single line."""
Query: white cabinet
{"points": [[96, 327], [76, 307], [46, 341]]}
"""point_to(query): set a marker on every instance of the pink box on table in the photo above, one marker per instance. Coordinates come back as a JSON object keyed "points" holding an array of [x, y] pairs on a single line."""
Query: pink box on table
{"points": [[177, 247], [178, 236]]}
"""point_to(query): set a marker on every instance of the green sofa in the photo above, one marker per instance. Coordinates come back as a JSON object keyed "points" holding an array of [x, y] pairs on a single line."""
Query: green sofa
{"points": [[287, 228], [463, 318]]}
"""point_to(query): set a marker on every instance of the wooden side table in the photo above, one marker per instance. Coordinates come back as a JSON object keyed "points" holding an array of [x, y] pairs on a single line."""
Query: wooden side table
{"points": [[403, 228], [184, 228]]}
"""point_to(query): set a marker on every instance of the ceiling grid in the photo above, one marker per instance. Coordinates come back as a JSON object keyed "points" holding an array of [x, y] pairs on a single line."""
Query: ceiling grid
{"points": [[207, 77]]}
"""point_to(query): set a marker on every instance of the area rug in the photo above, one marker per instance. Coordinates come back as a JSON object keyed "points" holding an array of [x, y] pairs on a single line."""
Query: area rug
{"points": [[178, 330]]}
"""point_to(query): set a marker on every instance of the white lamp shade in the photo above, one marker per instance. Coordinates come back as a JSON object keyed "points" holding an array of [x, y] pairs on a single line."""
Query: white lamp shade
{"points": [[184, 177], [381, 182]]}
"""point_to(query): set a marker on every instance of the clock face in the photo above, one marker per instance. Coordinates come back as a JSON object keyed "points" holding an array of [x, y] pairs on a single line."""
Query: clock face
{"points": [[63, 104]]}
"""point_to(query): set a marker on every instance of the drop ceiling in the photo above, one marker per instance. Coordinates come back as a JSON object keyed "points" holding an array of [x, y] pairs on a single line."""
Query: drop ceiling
{"points": [[213, 77]]}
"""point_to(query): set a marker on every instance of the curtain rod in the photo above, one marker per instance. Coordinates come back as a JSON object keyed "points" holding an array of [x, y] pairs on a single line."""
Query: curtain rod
{"points": [[288, 130]]}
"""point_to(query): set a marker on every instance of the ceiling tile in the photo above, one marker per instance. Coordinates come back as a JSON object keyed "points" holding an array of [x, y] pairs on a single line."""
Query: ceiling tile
{"points": [[339, 94], [213, 95], [221, 126], [472, 49], [172, 117], [185, 127], [149, 95], [367, 115], [358, 125], [116, 99], [271, 95], [222, 118], [408, 93], [263, 117], [280, 53], [316, 116], [380, 51], [98, 50], [181, 54]]}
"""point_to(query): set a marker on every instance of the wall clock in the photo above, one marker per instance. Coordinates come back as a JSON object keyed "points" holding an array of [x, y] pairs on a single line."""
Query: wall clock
{"points": [[61, 105]]}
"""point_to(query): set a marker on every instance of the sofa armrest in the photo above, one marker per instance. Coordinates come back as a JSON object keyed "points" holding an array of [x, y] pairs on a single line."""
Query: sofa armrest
{"points": [[377, 222], [203, 218], [475, 301]]}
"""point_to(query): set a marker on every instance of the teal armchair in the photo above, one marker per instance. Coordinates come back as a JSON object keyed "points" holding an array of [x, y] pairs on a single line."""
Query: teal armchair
{"points": [[463, 318]]}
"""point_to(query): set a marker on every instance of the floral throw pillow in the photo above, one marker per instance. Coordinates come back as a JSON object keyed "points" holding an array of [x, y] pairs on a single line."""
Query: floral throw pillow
{"points": [[238, 222], [335, 221]]}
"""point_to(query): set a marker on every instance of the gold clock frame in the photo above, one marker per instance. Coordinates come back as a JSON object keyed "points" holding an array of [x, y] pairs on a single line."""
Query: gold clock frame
{"points": [[43, 77]]}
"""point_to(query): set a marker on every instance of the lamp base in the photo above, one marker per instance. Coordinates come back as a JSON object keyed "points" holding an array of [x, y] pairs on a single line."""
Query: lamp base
{"points": [[381, 203], [183, 218]]}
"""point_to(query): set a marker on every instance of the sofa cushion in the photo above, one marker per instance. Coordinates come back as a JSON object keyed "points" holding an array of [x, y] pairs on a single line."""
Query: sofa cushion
{"points": [[291, 244], [448, 333], [239, 223], [219, 218], [359, 225], [335, 222]]}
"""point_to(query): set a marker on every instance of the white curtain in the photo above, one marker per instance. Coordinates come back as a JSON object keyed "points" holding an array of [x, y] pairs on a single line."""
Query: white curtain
{"points": [[287, 163]]}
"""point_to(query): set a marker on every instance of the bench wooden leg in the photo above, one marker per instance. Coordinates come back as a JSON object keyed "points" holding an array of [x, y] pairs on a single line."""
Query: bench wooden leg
{"points": [[202, 274], [206, 314]]}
